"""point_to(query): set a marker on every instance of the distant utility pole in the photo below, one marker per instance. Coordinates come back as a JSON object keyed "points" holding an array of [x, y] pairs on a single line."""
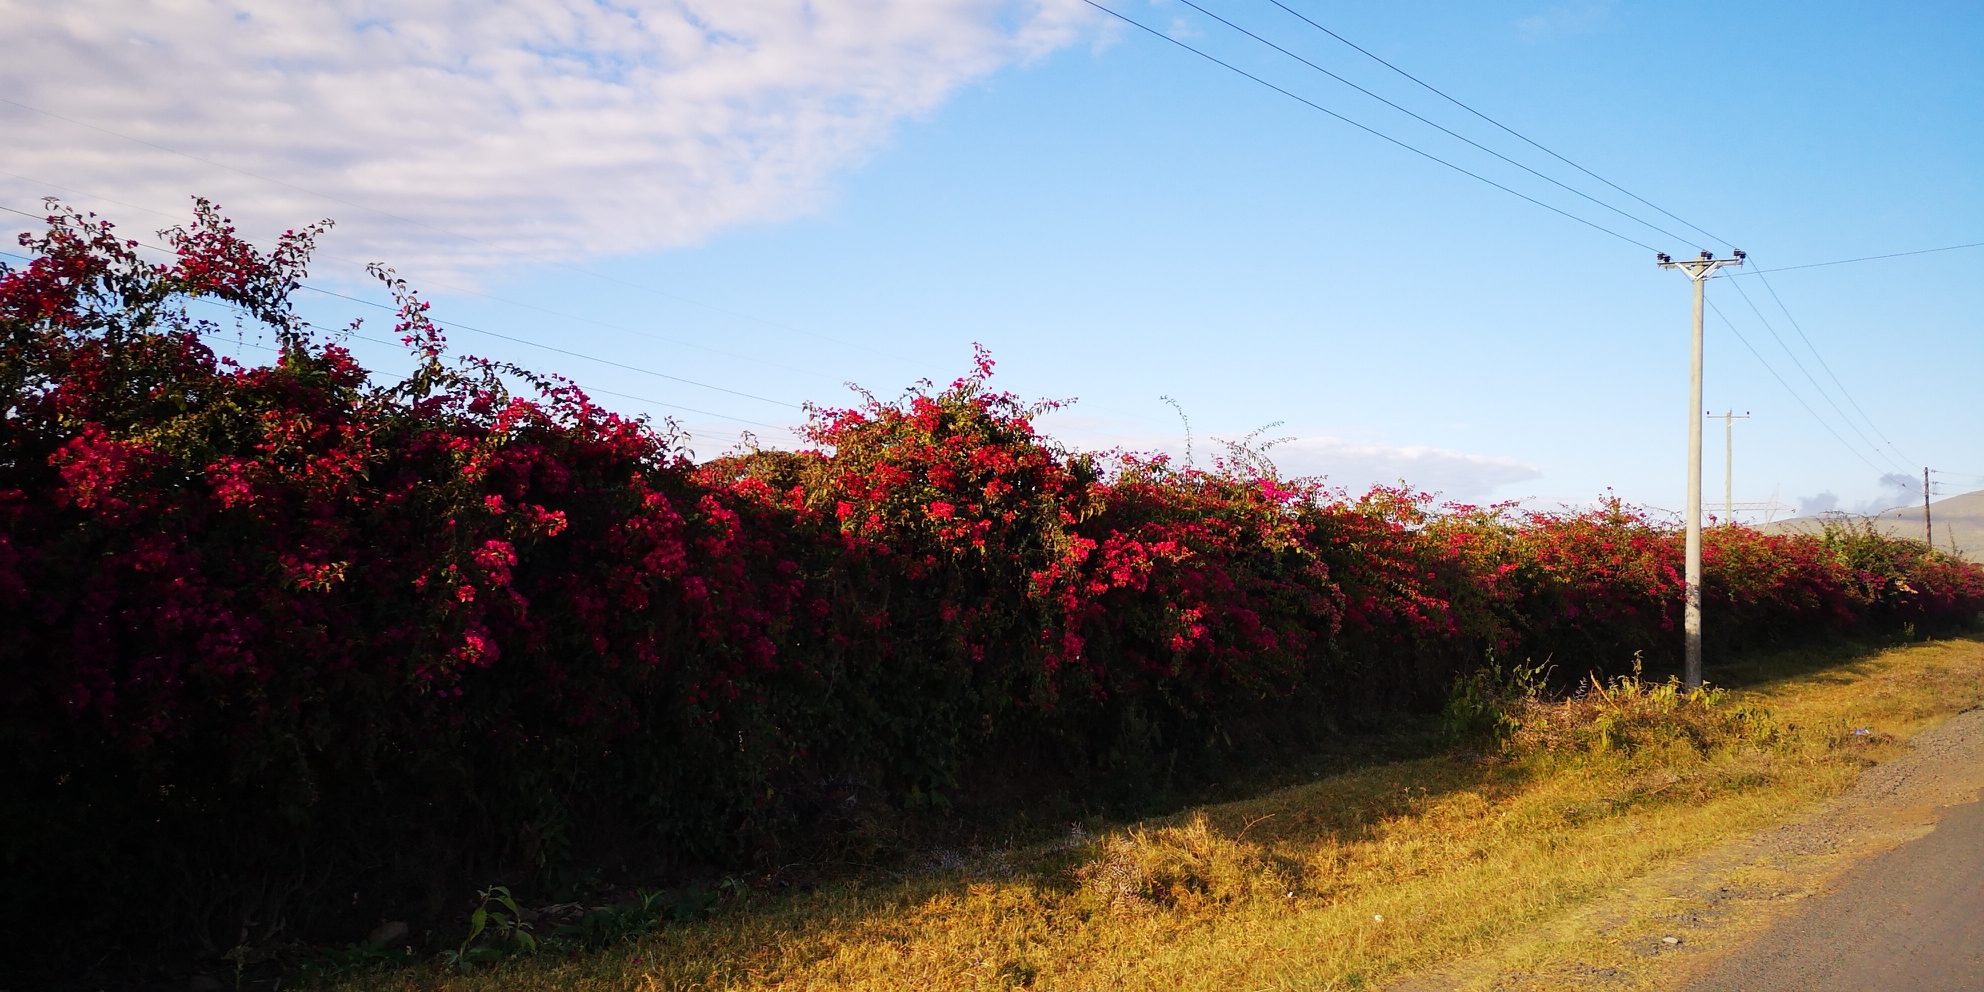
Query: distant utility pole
{"points": [[1928, 533], [1698, 270], [1729, 462]]}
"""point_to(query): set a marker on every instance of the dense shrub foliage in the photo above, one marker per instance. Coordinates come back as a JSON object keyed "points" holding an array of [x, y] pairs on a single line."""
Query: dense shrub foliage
{"points": [[289, 648]]}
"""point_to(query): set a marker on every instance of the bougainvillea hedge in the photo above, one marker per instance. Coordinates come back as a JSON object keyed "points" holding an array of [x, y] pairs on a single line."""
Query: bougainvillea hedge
{"points": [[288, 648]]}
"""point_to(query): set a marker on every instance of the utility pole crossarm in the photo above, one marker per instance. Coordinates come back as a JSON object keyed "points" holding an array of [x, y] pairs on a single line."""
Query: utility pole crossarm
{"points": [[1698, 270], [1703, 267]]}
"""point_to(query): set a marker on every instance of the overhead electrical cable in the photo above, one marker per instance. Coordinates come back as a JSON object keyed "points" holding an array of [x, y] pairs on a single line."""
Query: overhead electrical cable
{"points": [[1437, 126], [1865, 258], [608, 392], [1139, 25], [1525, 138], [1965, 487], [585, 389], [1824, 365], [1732, 327], [465, 237], [562, 351], [426, 282], [588, 389], [624, 329], [1823, 393], [496, 334], [93, 196], [1787, 386], [689, 409], [1312, 104], [1758, 272]]}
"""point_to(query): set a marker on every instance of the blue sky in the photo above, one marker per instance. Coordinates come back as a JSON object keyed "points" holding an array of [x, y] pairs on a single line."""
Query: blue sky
{"points": [[1119, 220]]}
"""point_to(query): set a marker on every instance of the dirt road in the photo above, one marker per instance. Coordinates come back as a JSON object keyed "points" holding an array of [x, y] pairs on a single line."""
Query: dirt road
{"points": [[1911, 918], [1882, 889]]}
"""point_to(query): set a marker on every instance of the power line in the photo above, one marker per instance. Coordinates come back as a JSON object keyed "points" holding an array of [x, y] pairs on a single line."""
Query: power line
{"points": [[1779, 300], [1965, 482], [1223, 64], [1787, 386], [687, 409], [1823, 364], [1866, 258], [586, 389], [590, 389], [1362, 127], [95, 196], [1800, 366], [517, 340], [1442, 128], [395, 344], [1525, 138], [619, 327], [563, 351], [1760, 272], [432, 282]]}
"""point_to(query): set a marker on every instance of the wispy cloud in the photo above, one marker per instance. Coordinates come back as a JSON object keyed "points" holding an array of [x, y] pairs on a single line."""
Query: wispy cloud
{"points": [[1357, 465], [1897, 490], [1811, 506], [1351, 465], [554, 128], [1565, 18]]}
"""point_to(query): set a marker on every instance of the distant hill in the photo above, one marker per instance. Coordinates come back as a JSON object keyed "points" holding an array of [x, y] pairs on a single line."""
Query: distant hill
{"points": [[1956, 518]]}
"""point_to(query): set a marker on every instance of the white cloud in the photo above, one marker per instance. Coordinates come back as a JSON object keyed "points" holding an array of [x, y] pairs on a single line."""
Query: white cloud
{"points": [[1897, 491], [1565, 19], [550, 127], [1357, 465], [1812, 506], [1354, 466]]}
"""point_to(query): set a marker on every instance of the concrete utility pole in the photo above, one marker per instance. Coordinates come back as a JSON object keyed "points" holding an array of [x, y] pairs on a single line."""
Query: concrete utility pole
{"points": [[1698, 270], [1729, 463], [1928, 533]]}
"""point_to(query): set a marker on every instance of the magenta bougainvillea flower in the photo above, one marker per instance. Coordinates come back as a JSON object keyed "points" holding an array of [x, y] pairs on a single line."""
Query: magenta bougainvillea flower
{"points": [[254, 614]]}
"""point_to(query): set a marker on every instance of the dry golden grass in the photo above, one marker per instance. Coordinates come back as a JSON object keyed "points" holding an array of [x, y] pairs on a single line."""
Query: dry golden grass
{"points": [[1348, 882]]}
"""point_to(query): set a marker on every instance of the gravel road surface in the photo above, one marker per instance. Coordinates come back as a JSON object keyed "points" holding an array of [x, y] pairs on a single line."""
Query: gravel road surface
{"points": [[1882, 889], [1909, 919]]}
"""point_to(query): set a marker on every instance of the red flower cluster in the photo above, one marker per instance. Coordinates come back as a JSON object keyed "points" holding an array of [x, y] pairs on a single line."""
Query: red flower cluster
{"points": [[263, 614]]}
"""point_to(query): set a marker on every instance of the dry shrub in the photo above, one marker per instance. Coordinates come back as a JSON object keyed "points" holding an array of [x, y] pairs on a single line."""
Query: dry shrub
{"points": [[1187, 867], [1629, 715]]}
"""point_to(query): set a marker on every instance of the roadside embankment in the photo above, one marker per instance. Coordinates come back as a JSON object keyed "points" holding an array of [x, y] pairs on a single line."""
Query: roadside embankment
{"points": [[1808, 904], [1562, 857]]}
